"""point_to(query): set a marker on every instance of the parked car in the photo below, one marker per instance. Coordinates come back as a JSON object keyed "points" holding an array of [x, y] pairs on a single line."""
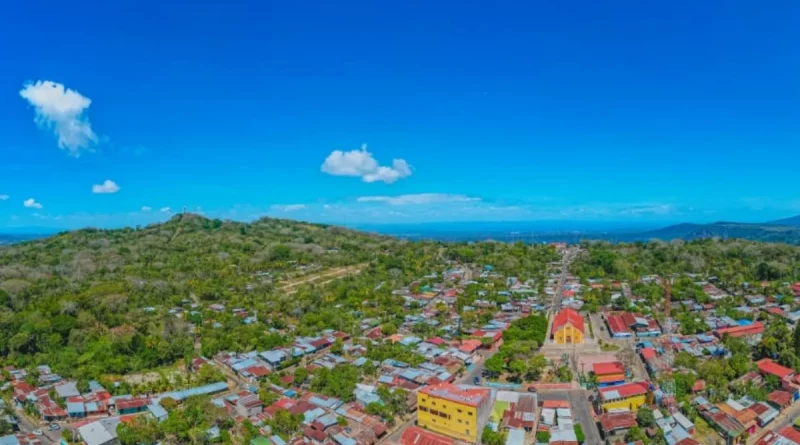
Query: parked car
{"points": [[53, 427], [37, 433], [476, 380], [531, 389]]}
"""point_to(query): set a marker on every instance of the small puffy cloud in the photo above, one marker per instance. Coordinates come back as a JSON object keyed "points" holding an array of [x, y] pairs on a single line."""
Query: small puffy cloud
{"points": [[165, 210], [108, 186], [62, 111], [32, 204], [288, 208], [4, 197], [146, 208], [361, 163], [419, 198]]}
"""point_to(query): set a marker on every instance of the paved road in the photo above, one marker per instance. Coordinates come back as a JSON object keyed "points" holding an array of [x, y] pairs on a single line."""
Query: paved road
{"points": [[560, 287], [581, 411], [27, 426], [783, 420]]}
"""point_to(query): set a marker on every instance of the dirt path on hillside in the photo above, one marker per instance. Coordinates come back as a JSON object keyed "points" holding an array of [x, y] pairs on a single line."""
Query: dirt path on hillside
{"points": [[326, 277]]}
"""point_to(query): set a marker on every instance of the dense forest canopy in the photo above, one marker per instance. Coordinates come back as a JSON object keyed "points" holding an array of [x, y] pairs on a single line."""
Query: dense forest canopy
{"points": [[95, 302], [734, 261]]}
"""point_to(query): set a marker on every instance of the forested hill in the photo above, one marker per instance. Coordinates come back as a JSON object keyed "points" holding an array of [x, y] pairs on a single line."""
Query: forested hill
{"points": [[96, 302], [87, 289]]}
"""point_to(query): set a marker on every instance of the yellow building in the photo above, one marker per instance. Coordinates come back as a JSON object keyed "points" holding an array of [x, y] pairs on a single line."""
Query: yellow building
{"points": [[629, 396], [457, 411], [568, 328]]}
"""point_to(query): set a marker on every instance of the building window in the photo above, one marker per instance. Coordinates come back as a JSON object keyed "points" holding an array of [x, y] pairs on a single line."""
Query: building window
{"points": [[468, 433], [459, 411], [423, 409], [459, 420]]}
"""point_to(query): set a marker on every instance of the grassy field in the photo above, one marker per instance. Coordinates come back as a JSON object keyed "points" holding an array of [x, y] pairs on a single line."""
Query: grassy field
{"points": [[498, 409]]}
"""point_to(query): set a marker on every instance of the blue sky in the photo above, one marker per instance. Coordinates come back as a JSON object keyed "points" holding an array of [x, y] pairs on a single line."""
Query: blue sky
{"points": [[469, 111]]}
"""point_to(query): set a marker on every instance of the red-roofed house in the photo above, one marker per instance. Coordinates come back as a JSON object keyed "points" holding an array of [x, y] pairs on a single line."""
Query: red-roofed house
{"points": [[555, 404], [791, 434], [617, 326], [435, 341], [629, 396], [609, 373], [648, 353], [781, 399], [613, 423], [470, 346], [768, 367], [568, 327], [417, 436], [752, 330]]}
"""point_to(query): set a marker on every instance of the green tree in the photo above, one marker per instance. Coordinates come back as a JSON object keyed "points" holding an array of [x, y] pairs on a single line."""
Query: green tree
{"points": [[490, 437], [496, 364], [300, 375], [286, 423], [645, 417], [536, 366]]}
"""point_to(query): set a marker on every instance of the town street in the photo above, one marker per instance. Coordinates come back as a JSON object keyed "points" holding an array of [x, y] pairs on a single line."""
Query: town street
{"points": [[27, 427], [581, 411]]}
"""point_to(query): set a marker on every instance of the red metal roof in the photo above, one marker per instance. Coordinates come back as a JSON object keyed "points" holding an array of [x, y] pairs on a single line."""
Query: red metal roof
{"points": [[616, 421], [435, 341], [626, 390], [568, 316], [741, 331], [608, 368], [470, 346], [616, 325], [555, 404], [780, 398], [628, 318], [458, 394], [314, 434], [791, 434], [129, 404], [767, 366], [417, 436], [648, 353]]}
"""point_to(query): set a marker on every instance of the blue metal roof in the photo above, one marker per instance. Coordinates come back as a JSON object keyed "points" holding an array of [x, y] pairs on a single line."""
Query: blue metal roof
{"points": [[75, 408], [199, 391]]}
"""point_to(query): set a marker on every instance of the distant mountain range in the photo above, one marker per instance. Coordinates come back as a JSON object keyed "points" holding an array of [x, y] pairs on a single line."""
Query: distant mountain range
{"points": [[780, 231], [774, 231], [785, 230]]}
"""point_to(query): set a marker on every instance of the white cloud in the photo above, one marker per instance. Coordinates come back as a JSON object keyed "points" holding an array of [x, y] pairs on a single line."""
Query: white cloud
{"points": [[146, 208], [32, 204], [360, 163], [165, 210], [108, 186], [61, 110], [288, 208], [419, 198], [4, 197], [655, 209]]}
